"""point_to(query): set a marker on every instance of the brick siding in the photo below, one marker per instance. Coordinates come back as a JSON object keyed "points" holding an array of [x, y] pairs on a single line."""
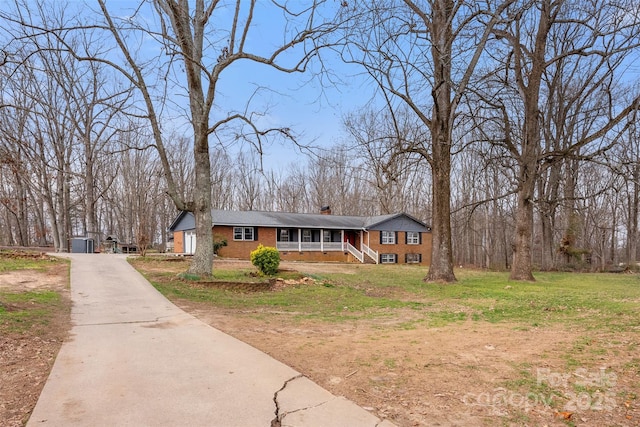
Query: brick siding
{"points": [[400, 248], [267, 236]]}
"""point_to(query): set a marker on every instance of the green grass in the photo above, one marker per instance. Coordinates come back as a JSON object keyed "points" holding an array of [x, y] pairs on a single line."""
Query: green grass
{"points": [[19, 263], [33, 297], [593, 308], [325, 302], [22, 310], [592, 301]]}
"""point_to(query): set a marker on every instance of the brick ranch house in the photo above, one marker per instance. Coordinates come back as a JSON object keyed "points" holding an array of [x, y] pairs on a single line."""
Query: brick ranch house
{"points": [[395, 238]]}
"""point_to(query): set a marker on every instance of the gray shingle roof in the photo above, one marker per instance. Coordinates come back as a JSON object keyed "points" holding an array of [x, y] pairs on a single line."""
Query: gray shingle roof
{"points": [[295, 220], [184, 220]]}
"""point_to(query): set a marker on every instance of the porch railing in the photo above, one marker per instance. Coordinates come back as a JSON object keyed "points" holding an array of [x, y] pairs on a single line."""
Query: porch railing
{"points": [[370, 252], [310, 246], [328, 247], [356, 253]]}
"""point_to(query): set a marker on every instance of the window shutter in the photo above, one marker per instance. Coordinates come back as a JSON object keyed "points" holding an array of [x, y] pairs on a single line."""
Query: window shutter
{"points": [[420, 238], [406, 237], [395, 258], [379, 258], [395, 240], [419, 258], [380, 236], [255, 233], [406, 258]]}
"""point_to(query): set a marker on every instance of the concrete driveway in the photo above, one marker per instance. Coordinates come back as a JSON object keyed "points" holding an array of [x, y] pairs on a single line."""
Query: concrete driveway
{"points": [[135, 359]]}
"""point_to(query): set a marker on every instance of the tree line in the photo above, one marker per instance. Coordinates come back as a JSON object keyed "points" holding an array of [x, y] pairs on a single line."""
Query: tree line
{"points": [[508, 126]]}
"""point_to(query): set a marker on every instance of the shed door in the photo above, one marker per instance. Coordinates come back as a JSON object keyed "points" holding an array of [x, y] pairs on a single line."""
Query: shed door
{"points": [[189, 242]]}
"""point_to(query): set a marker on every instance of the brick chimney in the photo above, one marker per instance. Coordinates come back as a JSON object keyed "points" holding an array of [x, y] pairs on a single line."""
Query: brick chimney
{"points": [[325, 210]]}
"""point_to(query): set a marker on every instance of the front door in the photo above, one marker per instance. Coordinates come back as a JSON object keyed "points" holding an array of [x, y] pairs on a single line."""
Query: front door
{"points": [[349, 236]]}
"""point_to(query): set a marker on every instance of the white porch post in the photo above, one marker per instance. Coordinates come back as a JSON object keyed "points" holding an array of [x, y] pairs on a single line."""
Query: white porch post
{"points": [[299, 240], [321, 240], [342, 239]]}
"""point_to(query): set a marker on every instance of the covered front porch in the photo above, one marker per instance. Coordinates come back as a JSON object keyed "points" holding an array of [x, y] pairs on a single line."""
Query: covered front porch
{"points": [[323, 240]]}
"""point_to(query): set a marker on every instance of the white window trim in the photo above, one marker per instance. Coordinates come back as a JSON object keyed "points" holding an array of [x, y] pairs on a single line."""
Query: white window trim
{"points": [[241, 230], [384, 258], [388, 237], [244, 230], [413, 238]]}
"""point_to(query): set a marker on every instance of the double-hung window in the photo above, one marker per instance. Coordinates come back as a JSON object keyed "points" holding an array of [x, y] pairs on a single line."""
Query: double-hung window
{"points": [[243, 233], [388, 237], [388, 258], [413, 238]]}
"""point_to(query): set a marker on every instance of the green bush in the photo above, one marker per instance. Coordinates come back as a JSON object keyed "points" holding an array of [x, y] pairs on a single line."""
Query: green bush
{"points": [[267, 259], [219, 242]]}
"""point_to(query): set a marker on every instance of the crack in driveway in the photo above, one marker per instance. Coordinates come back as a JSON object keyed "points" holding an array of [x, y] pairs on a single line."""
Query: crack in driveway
{"points": [[281, 414], [276, 422]]}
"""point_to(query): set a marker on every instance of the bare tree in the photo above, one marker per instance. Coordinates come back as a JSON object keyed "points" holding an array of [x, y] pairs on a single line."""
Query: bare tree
{"points": [[202, 43], [247, 178], [42, 136], [197, 43], [598, 42], [390, 169], [93, 112], [418, 53], [291, 190], [625, 162]]}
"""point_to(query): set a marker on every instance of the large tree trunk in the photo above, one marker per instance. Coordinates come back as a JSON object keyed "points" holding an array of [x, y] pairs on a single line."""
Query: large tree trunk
{"points": [[202, 264], [441, 268], [522, 265]]}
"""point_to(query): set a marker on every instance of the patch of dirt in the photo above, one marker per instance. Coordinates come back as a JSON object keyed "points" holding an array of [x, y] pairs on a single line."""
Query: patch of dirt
{"points": [[26, 357], [462, 374], [471, 373], [468, 373]]}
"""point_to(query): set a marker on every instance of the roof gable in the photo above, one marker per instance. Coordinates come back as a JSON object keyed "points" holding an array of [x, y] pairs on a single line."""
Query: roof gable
{"points": [[397, 222], [184, 221]]}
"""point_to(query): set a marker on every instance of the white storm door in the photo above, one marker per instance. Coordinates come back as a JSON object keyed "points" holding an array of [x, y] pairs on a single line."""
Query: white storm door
{"points": [[189, 242]]}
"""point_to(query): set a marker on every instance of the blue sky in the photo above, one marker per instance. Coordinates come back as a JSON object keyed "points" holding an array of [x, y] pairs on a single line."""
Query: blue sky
{"points": [[294, 100], [290, 100]]}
